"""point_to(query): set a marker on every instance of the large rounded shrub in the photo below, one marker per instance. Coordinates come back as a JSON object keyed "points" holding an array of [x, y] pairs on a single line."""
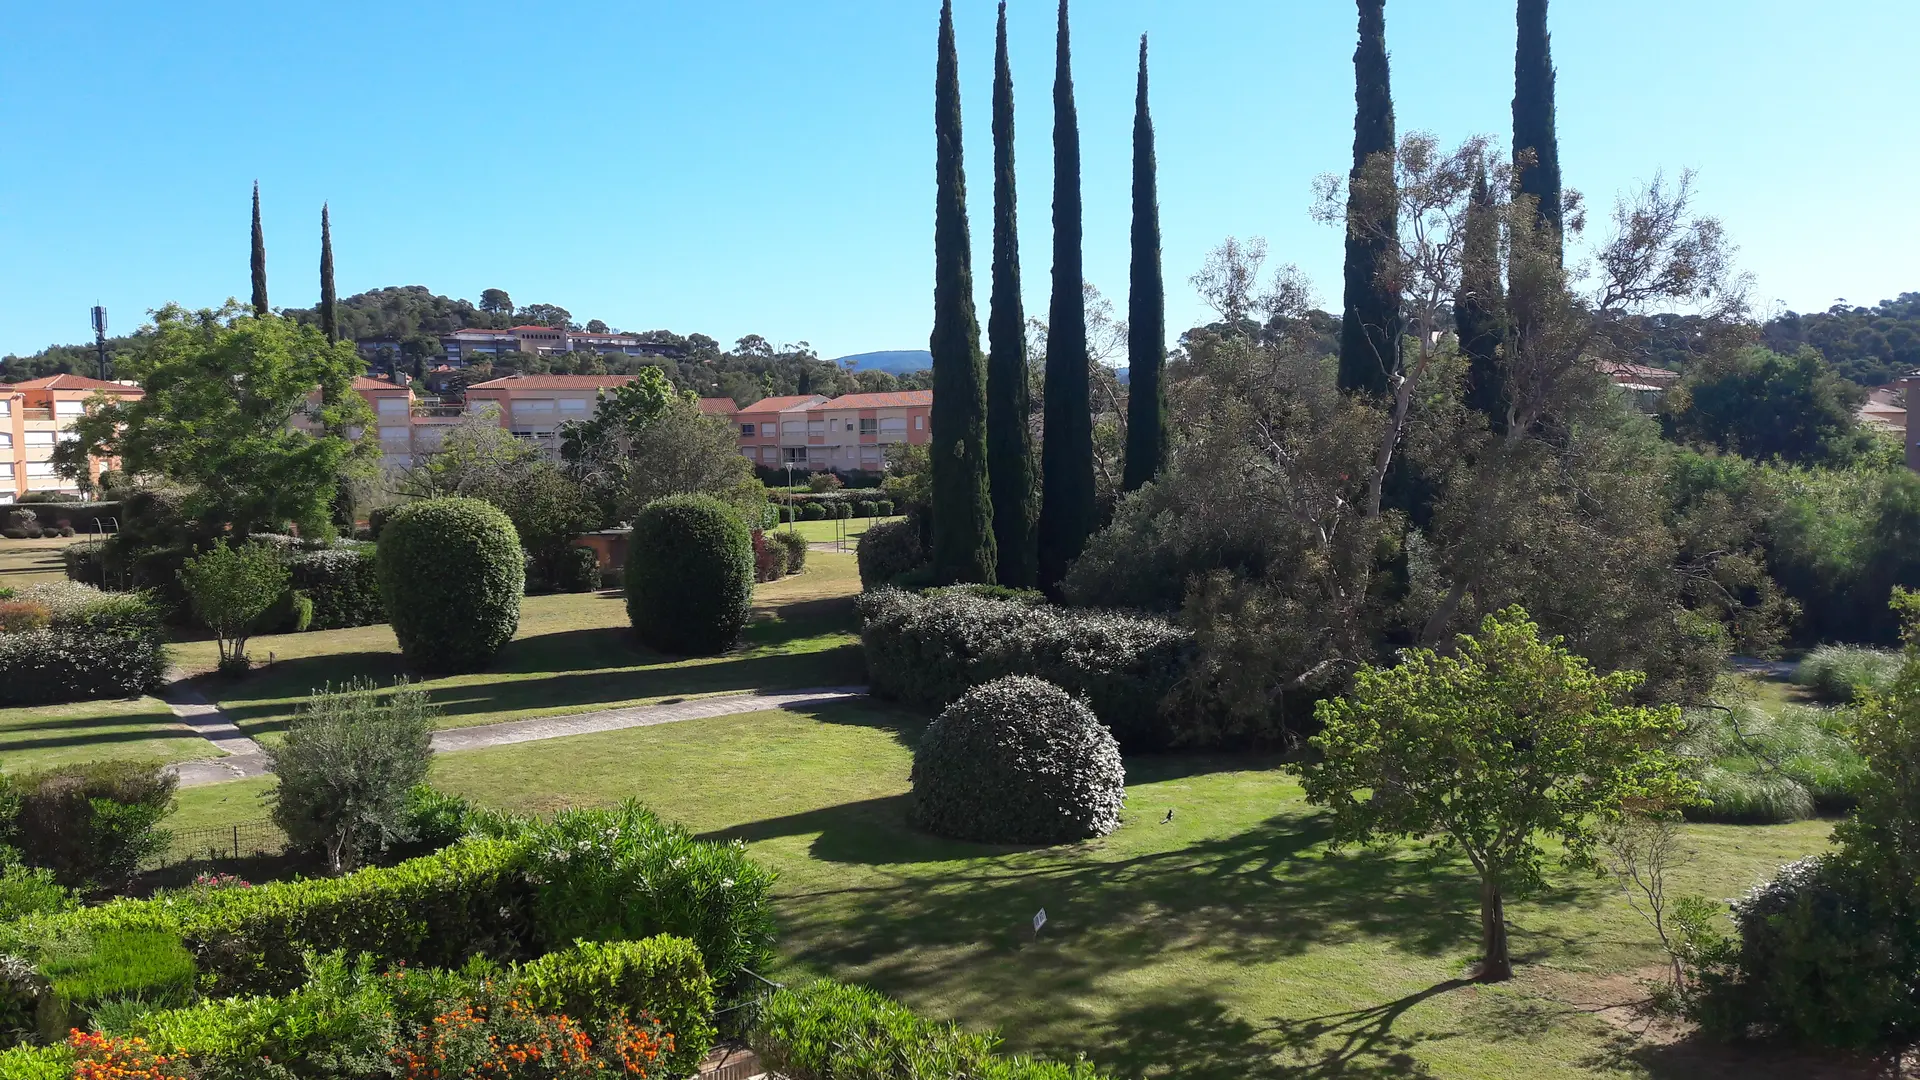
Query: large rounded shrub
{"points": [[1017, 761], [689, 575], [888, 550], [451, 575]]}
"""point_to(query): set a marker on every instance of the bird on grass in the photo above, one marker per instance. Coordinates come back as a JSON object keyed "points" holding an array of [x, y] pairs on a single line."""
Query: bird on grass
{"points": [[1168, 818]]}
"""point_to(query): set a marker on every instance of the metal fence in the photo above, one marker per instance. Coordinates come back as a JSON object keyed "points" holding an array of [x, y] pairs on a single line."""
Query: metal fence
{"points": [[215, 843]]}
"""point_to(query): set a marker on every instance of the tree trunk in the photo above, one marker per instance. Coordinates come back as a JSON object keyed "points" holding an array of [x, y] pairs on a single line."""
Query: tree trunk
{"points": [[1495, 964]]}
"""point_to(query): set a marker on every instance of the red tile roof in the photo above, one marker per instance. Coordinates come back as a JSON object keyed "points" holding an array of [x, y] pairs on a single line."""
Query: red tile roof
{"points": [[1637, 372], [361, 382], [906, 399], [554, 382], [781, 404], [718, 406], [75, 382], [547, 329]]}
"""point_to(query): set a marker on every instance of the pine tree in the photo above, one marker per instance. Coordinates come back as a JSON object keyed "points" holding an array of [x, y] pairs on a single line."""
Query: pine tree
{"points": [[1066, 450], [1536, 143], [1009, 438], [1479, 306], [259, 257], [963, 546], [1146, 307], [329, 312], [1370, 327]]}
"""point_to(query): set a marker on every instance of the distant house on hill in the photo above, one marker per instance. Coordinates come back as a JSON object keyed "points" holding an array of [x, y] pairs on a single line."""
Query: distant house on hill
{"points": [[1648, 385]]}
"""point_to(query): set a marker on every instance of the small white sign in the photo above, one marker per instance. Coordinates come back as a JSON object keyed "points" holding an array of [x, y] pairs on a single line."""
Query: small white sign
{"points": [[1039, 919]]}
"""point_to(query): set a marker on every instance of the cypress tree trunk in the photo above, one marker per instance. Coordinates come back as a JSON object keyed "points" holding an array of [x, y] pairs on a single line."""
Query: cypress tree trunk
{"points": [[1536, 143], [1146, 307], [259, 257], [1010, 462], [1066, 450], [963, 548], [1370, 326], [329, 313], [1479, 308]]}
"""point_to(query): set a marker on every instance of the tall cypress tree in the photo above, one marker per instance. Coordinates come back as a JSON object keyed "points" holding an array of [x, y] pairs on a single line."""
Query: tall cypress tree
{"points": [[963, 547], [329, 313], [1066, 451], [1536, 143], [1479, 307], [1370, 327], [1010, 464], [1146, 307], [259, 257]]}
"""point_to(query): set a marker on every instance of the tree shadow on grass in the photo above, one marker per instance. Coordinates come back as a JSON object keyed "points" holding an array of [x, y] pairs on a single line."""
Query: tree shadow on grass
{"points": [[1697, 1057], [103, 739]]}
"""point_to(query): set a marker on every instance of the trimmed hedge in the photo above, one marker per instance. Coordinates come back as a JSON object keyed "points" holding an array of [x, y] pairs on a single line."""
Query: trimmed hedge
{"points": [[1017, 761], [577, 571], [796, 546], [833, 1031], [52, 667], [662, 977], [889, 551], [451, 576], [928, 649], [344, 585], [690, 574], [91, 824], [528, 888]]}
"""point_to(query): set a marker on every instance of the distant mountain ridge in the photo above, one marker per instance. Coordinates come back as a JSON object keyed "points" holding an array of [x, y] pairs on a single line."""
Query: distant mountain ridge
{"points": [[898, 362]]}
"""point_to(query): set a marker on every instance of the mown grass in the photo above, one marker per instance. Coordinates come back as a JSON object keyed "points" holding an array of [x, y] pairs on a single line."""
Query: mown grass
{"points": [[1229, 942], [23, 562], [825, 532], [573, 653], [140, 729]]}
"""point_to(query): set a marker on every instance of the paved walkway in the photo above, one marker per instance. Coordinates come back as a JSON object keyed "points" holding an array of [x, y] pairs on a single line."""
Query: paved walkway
{"points": [[245, 758]]}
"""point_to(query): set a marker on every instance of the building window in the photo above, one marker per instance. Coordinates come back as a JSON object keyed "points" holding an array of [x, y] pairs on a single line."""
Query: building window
{"points": [[746, 429], [69, 408], [796, 455], [816, 427], [6, 438], [393, 406], [919, 423], [895, 425], [573, 405], [869, 426], [40, 468], [6, 408], [39, 438], [793, 427], [393, 434]]}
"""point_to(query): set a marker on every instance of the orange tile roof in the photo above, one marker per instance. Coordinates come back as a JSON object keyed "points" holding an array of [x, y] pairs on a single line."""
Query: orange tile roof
{"points": [[547, 329], [554, 382], [781, 404], [905, 399], [75, 382], [718, 406], [362, 382]]}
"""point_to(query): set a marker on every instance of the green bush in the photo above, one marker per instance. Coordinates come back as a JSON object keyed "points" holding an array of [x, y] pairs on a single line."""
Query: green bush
{"points": [[347, 767], [27, 1062], [1761, 766], [662, 977], [92, 824], [26, 890], [888, 551], [525, 888], [813, 511], [1017, 761], [690, 574], [451, 576], [51, 667], [833, 1031], [578, 571], [928, 649], [231, 588], [37, 497], [796, 546], [377, 519], [435, 818], [122, 962], [343, 583], [769, 558], [74, 606], [1749, 798], [1835, 672]]}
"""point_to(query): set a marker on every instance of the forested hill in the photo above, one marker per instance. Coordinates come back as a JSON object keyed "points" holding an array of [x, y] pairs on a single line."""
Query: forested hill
{"points": [[1870, 345]]}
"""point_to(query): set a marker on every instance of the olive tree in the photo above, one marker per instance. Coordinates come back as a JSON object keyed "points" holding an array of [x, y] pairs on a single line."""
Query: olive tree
{"points": [[345, 767], [1507, 743]]}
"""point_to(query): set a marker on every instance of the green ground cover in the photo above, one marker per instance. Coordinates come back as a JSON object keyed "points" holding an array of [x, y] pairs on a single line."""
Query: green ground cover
{"points": [[826, 532], [1225, 943], [142, 729], [23, 562], [573, 653]]}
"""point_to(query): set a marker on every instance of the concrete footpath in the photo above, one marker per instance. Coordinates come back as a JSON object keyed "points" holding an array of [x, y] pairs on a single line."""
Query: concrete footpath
{"points": [[245, 758]]}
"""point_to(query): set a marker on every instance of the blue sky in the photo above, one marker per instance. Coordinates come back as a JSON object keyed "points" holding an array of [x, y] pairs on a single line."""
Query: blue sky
{"points": [[765, 166]]}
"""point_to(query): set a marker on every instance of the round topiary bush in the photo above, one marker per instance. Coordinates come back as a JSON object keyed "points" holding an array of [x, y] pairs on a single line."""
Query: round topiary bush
{"points": [[1017, 761], [690, 572], [451, 576], [888, 550], [813, 512]]}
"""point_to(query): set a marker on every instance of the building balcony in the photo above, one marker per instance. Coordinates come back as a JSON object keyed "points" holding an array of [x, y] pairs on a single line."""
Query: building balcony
{"points": [[30, 415]]}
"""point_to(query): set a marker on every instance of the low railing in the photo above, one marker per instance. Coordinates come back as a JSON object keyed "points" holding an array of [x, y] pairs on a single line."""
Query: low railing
{"points": [[440, 410], [223, 843], [735, 1020], [36, 414]]}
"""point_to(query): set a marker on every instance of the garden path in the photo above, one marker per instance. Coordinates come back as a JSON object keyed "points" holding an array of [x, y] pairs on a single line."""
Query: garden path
{"points": [[245, 758]]}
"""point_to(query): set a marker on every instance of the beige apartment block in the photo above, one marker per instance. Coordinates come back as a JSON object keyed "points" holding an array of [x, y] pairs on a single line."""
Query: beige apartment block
{"points": [[37, 415]]}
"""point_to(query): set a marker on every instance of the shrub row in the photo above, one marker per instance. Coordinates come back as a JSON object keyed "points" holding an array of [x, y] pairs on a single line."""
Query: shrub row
{"points": [[78, 516], [830, 1031], [51, 667], [827, 510], [525, 888], [928, 649], [343, 584]]}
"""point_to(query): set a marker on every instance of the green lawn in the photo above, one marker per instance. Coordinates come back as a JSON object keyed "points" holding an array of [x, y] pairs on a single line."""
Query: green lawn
{"points": [[826, 532], [23, 562], [1227, 943], [573, 653], [141, 729]]}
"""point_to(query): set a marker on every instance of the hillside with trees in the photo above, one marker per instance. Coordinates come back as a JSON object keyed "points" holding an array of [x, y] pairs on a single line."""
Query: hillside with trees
{"points": [[1870, 345]]}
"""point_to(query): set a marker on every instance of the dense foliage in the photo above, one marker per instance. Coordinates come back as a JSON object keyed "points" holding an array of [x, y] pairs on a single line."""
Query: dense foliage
{"points": [[662, 977], [346, 768], [1869, 345], [451, 577], [690, 574], [231, 588], [889, 551], [1763, 405], [1762, 767], [343, 584], [929, 649], [1017, 761], [91, 825], [49, 667]]}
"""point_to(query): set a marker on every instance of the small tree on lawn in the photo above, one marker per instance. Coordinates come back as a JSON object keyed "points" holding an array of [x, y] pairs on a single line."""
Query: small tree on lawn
{"points": [[1510, 741], [231, 588], [345, 768]]}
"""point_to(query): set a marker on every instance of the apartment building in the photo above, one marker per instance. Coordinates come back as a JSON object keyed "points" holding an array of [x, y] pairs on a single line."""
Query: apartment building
{"points": [[37, 415], [473, 345], [844, 434]]}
